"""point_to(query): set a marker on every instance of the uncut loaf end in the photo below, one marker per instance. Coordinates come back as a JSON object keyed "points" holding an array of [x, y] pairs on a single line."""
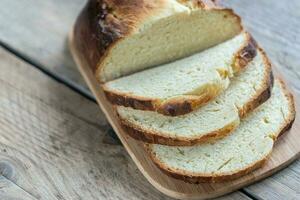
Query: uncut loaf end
{"points": [[122, 37]]}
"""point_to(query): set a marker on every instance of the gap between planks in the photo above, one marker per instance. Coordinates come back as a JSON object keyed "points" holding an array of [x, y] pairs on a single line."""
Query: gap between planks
{"points": [[59, 78], [263, 21]]}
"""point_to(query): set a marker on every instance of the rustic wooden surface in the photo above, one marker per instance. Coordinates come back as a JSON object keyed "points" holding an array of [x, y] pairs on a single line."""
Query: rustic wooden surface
{"points": [[37, 30], [53, 143]]}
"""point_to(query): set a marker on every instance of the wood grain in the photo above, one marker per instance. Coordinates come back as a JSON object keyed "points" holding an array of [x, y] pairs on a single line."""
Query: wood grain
{"points": [[11, 191], [38, 30], [284, 185], [53, 143], [286, 149]]}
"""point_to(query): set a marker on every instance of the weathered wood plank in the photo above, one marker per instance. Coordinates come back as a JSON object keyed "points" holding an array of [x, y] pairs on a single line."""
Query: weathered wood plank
{"points": [[234, 196], [38, 30], [53, 143], [10, 191], [55, 146], [283, 185]]}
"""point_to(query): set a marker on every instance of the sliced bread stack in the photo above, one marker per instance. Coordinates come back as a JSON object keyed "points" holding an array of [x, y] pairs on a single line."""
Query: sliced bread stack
{"points": [[186, 79], [182, 86], [214, 120], [244, 150]]}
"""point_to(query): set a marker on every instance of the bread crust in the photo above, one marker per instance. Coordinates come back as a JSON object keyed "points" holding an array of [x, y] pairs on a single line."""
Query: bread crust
{"points": [[264, 92], [185, 103], [245, 54], [292, 115], [104, 23], [170, 107], [197, 178], [154, 137]]}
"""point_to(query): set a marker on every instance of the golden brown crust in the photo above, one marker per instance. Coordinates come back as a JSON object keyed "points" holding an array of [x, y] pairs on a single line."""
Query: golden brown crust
{"points": [[197, 178], [85, 35], [103, 23], [130, 101], [156, 138], [203, 4], [212, 178], [180, 106], [171, 107], [245, 54], [200, 177], [264, 92], [292, 115], [257, 101], [185, 103]]}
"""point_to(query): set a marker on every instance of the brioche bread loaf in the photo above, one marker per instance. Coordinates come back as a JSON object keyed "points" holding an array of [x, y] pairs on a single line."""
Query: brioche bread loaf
{"points": [[122, 37], [197, 52]]}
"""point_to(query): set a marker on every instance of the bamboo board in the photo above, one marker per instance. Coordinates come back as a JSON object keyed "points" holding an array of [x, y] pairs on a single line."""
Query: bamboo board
{"points": [[286, 149]]}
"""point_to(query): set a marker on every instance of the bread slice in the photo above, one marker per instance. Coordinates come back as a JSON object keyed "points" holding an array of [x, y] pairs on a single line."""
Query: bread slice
{"points": [[122, 37], [235, 155], [216, 119], [182, 86]]}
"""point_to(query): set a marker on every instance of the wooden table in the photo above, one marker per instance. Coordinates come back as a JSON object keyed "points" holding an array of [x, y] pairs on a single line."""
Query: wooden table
{"points": [[54, 141]]}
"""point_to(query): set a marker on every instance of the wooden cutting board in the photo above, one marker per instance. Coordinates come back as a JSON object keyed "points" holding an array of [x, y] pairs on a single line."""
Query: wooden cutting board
{"points": [[286, 149]]}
